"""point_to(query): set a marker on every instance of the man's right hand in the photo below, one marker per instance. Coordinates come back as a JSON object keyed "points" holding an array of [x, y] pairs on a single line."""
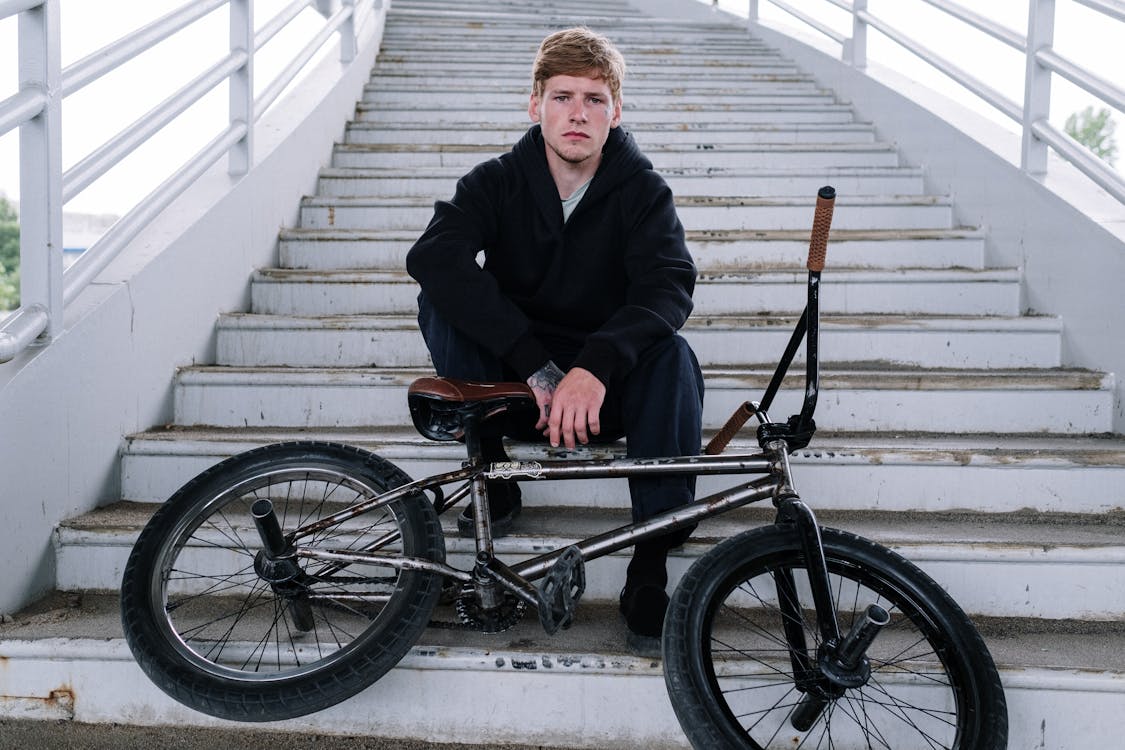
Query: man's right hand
{"points": [[543, 384]]}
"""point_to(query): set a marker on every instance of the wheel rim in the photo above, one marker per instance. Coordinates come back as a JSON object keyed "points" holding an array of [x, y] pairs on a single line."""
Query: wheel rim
{"points": [[914, 698], [218, 614]]}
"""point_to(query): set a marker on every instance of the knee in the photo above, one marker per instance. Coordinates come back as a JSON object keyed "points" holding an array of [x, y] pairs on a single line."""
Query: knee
{"points": [[673, 359]]}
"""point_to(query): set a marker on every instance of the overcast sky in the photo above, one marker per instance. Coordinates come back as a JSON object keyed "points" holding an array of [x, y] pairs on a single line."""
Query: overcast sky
{"points": [[102, 109]]}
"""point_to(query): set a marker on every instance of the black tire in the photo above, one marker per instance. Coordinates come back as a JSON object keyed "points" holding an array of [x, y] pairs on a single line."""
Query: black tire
{"points": [[210, 632], [730, 678]]}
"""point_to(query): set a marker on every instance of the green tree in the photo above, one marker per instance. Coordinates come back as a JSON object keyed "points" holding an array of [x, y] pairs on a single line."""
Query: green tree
{"points": [[1094, 130], [9, 256]]}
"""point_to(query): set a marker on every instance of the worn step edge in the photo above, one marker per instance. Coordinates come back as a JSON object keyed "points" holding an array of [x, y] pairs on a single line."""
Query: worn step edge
{"points": [[996, 568], [412, 700], [391, 340], [341, 249], [838, 472], [1058, 402]]}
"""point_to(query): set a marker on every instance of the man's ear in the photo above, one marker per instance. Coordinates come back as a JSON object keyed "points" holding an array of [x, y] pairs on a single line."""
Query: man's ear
{"points": [[533, 108], [616, 114]]}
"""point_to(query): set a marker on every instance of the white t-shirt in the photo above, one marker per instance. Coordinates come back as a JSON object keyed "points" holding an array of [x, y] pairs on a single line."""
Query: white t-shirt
{"points": [[568, 204]]}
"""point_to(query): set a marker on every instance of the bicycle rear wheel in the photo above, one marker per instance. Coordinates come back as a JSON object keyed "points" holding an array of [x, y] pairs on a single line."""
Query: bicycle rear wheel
{"points": [[209, 629], [730, 677]]}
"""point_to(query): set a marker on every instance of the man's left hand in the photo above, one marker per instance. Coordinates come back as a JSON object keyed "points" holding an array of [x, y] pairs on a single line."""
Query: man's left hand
{"points": [[575, 409]]}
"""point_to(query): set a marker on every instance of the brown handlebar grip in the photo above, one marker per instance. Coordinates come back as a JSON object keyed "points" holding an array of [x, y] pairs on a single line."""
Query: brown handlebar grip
{"points": [[727, 432], [822, 221]]}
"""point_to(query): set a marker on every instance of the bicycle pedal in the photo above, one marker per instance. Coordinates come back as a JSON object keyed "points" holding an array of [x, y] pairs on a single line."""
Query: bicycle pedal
{"points": [[560, 591]]}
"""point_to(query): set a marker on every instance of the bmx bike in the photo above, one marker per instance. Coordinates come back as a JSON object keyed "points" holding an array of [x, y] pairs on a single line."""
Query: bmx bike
{"points": [[288, 578]]}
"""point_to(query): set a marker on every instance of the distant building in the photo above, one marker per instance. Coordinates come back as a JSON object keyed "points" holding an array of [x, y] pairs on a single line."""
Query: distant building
{"points": [[80, 231]]}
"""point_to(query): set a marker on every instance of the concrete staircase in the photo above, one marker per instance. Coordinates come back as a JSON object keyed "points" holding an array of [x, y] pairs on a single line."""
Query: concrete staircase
{"points": [[950, 429]]}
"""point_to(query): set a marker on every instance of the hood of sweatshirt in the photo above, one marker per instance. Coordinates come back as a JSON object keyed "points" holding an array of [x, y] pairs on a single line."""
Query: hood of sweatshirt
{"points": [[621, 159]]}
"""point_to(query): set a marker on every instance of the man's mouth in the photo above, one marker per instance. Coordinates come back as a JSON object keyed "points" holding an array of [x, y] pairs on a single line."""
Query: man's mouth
{"points": [[574, 134]]}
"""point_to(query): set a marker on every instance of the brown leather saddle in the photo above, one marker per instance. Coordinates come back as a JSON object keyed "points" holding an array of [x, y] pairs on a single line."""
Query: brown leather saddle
{"points": [[441, 407]]}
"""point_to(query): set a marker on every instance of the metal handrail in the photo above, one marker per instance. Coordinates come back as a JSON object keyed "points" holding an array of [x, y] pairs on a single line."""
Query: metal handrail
{"points": [[810, 21], [997, 31], [978, 87], [105, 157], [107, 59], [21, 107], [338, 19], [45, 288], [1043, 61]]}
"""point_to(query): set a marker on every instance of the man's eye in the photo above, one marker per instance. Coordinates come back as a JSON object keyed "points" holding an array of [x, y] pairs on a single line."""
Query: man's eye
{"points": [[561, 98], [595, 100]]}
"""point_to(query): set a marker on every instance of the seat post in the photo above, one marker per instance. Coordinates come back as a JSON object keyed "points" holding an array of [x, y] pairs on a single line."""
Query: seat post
{"points": [[473, 446]]}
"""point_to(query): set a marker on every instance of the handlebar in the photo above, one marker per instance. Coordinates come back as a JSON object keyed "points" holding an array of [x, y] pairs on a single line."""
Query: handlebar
{"points": [[809, 323], [822, 221]]}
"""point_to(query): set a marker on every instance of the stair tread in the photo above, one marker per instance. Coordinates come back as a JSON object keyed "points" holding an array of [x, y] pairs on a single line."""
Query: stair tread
{"points": [[748, 147], [725, 276], [933, 448], [455, 172], [874, 377], [874, 322], [1061, 536], [597, 635], [716, 235]]}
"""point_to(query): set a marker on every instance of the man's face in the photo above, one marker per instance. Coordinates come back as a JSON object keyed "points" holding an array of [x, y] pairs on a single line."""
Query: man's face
{"points": [[576, 114]]}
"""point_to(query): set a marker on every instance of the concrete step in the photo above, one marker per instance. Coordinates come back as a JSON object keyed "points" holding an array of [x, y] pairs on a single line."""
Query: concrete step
{"points": [[506, 98], [503, 136], [649, 85], [672, 71], [439, 182], [840, 472], [468, 114], [698, 213], [674, 156], [411, 8], [885, 399], [1062, 676], [846, 291], [992, 565], [517, 50], [275, 340], [340, 249]]}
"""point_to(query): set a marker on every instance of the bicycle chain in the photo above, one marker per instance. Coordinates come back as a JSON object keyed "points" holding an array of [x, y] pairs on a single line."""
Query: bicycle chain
{"points": [[477, 620]]}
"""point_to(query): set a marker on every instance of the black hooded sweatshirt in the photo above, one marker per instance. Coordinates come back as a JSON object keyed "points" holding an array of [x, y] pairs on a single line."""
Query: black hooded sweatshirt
{"points": [[601, 288]]}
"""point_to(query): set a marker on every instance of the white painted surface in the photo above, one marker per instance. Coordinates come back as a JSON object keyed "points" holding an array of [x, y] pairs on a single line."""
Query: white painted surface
{"points": [[65, 408]]}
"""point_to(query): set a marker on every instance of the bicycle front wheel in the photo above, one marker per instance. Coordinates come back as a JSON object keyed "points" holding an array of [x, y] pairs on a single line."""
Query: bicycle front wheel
{"points": [[728, 653], [218, 629]]}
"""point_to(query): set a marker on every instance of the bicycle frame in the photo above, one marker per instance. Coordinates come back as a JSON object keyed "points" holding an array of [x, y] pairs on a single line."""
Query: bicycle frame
{"points": [[775, 439], [594, 547]]}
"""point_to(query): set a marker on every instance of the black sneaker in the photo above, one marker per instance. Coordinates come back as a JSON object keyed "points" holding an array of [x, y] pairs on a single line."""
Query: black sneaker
{"points": [[643, 608], [504, 504]]}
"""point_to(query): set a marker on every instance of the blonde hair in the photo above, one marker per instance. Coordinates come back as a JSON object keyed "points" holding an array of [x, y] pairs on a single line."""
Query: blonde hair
{"points": [[578, 52]]}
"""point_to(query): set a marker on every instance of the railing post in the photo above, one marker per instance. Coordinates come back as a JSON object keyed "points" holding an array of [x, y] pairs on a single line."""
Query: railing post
{"points": [[752, 15], [41, 232], [1037, 84], [347, 34], [855, 49], [242, 84]]}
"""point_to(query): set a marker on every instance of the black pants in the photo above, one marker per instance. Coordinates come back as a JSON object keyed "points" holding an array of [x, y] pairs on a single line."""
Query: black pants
{"points": [[657, 406]]}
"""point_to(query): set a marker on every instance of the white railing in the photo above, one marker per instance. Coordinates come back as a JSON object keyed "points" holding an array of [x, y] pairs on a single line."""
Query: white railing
{"points": [[45, 289], [1038, 134]]}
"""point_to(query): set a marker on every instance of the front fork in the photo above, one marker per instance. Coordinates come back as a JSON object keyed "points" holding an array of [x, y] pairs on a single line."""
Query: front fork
{"points": [[840, 663], [276, 563]]}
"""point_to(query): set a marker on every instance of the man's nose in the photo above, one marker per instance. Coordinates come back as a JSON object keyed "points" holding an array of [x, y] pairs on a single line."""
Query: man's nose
{"points": [[578, 112]]}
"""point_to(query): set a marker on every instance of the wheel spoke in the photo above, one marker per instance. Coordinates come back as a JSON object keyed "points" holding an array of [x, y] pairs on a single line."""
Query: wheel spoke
{"points": [[729, 617]]}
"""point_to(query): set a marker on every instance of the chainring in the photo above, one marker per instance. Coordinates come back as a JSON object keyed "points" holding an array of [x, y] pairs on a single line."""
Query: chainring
{"points": [[495, 620]]}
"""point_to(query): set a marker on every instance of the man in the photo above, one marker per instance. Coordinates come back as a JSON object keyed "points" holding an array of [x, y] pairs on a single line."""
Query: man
{"points": [[586, 279]]}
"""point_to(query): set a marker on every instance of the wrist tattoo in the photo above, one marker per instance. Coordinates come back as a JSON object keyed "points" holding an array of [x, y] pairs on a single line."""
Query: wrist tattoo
{"points": [[547, 377]]}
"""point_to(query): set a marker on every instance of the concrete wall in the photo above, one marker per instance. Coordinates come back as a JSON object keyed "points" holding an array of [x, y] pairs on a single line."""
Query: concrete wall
{"points": [[1066, 234], [65, 407]]}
